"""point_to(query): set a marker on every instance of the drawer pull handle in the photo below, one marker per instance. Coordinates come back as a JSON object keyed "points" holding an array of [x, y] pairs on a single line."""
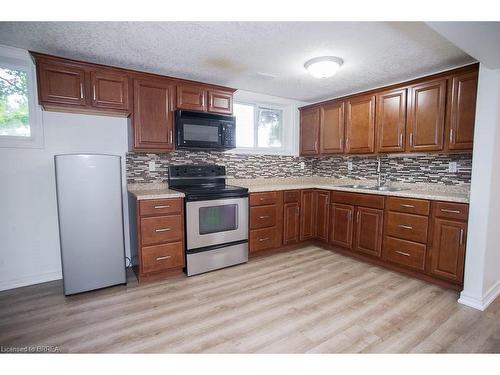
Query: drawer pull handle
{"points": [[408, 205], [163, 258], [261, 199], [402, 253], [159, 207], [263, 217], [450, 211], [405, 226], [263, 239], [163, 229]]}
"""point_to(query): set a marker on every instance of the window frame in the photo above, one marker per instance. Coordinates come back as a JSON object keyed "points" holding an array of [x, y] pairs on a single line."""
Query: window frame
{"points": [[19, 59], [256, 148]]}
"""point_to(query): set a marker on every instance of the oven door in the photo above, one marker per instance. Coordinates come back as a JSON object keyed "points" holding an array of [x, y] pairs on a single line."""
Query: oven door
{"points": [[198, 133], [216, 222]]}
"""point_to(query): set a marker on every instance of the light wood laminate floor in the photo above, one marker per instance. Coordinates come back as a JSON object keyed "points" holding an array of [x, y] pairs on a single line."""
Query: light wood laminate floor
{"points": [[308, 300]]}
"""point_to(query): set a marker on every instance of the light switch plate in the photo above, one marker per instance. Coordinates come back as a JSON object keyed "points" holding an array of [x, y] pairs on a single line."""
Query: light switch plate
{"points": [[452, 167], [152, 166], [349, 165]]}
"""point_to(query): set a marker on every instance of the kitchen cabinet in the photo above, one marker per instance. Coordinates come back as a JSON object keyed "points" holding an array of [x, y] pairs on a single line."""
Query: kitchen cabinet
{"points": [[341, 224], [220, 101], [308, 215], [322, 202], [309, 131], [109, 90], [368, 238], [449, 235], [192, 97], [426, 116], [158, 228], [291, 217], [391, 120], [332, 128], [360, 125], [462, 111], [62, 84], [152, 120], [266, 221]]}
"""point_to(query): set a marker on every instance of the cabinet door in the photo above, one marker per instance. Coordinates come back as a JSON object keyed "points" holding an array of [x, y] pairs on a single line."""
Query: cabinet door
{"points": [[341, 220], [61, 84], [308, 215], [322, 200], [109, 90], [426, 112], [332, 128], [360, 125], [291, 218], [391, 121], [462, 111], [153, 115], [369, 224], [191, 97], [220, 101], [309, 131], [448, 249]]}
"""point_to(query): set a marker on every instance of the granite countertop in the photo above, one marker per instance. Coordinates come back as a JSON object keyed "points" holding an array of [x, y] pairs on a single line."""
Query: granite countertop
{"points": [[153, 191], [431, 191]]}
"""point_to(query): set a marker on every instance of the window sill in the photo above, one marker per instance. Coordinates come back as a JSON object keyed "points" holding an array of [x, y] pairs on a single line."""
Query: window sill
{"points": [[261, 151]]}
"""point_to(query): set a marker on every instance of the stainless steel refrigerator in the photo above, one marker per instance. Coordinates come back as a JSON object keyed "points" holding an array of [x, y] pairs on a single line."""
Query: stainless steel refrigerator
{"points": [[89, 202]]}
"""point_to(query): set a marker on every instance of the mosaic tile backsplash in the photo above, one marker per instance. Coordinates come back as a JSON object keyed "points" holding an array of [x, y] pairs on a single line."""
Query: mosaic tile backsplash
{"points": [[407, 168]]}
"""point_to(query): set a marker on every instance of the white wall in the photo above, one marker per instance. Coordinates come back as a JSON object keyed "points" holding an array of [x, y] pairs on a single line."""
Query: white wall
{"points": [[482, 266], [29, 237]]}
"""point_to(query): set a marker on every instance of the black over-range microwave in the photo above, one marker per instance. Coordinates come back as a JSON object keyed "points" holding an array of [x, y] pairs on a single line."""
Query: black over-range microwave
{"points": [[201, 130]]}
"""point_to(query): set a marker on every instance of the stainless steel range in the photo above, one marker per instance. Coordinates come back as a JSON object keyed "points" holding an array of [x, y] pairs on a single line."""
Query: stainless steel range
{"points": [[216, 217]]}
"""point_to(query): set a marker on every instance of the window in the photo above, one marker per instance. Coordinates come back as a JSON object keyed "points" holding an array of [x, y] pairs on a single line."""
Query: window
{"points": [[258, 126], [20, 119]]}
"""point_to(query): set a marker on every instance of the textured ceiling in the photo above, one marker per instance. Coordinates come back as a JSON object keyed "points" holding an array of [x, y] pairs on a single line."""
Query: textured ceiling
{"points": [[233, 53]]}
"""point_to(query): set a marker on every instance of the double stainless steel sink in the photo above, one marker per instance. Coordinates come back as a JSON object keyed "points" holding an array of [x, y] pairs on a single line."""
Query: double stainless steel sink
{"points": [[367, 187]]}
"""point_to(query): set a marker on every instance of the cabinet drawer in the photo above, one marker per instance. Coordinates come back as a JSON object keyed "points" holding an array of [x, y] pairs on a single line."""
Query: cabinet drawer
{"points": [[406, 253], [265, 198], [262, 216], [407, 226], [407, 205], [160, 229], [263, 239], [356, 199], [160, 207], [291, 196], [162, 257], [451, 210]]}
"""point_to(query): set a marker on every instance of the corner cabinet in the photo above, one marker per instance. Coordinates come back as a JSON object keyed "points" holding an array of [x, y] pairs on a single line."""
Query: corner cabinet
{"points": [[152, 119]]}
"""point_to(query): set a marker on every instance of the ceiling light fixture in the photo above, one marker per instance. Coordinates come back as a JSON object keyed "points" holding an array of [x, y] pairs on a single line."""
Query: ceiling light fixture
{"points": [[324, 66]]}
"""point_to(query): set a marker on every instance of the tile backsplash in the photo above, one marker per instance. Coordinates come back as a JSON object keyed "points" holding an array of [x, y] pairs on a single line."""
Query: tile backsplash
{"points": [[403, 168]]}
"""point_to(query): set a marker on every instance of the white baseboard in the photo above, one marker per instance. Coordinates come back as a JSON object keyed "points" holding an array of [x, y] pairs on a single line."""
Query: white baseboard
{"points": [[483, 302], [30, 280]]}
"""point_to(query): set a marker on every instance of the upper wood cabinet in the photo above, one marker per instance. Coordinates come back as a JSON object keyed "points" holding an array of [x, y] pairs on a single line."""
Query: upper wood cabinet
{"points": [[60, 83], [331, 128], [462, 111], [152, 119], [220, 101], [192, 97], [309, 131], [426, 116], [109, 90], [360, 125], [391, 121]]}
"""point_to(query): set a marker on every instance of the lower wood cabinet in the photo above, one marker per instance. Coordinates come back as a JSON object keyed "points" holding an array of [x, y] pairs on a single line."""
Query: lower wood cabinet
{"points": [[369, 225], [341, 224], [322, 203], [308, 215], [291, 217], [159, 246], [266, 221]]}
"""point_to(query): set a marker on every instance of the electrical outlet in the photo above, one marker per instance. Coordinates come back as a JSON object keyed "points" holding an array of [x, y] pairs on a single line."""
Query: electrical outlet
{"points": [[452, 167], [349, 165], [302, 165], [152, 166]]}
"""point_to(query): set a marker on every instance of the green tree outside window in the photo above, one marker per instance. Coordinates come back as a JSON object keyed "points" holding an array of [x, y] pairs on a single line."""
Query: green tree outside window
{"points": [[14, 106]]}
